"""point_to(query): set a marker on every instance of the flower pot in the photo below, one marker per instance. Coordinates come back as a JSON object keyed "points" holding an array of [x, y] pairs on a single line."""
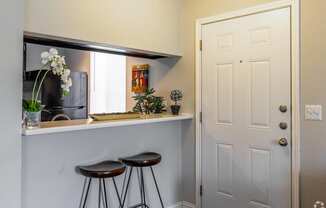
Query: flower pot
{"points": [[158, 111], [32, 119], [175, 109]]}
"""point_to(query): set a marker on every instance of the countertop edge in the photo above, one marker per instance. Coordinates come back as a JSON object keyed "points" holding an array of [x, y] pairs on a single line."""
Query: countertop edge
{"points": [[108, 124]]}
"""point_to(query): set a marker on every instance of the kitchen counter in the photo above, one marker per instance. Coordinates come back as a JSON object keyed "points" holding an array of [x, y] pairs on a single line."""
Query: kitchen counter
{"points": [[85, 124]]}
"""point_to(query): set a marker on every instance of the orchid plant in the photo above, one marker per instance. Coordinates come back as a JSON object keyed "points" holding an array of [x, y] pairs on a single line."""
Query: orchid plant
{"points": [[56, 64]]}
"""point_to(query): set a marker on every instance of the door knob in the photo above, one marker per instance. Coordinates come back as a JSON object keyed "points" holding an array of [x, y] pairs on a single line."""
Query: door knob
{"points": [[283, 108], [283, 125], [283, 142]]}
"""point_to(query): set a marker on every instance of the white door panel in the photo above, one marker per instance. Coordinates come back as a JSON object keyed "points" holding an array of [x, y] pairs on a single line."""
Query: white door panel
{"points": [[246, 77]]}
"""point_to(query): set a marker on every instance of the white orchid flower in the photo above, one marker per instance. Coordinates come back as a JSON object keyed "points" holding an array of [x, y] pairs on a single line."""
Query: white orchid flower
{"points": [[69, 83], [54, 64], [45, 55], [53, 51], [66, 72], [63, 60], [50, 58], [65, 75], [57, 64], [66, 85], [44, 61]]}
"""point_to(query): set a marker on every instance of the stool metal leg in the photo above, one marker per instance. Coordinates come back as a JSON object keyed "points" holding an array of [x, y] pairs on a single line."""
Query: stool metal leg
{"points": [[140, 187], [127, 187], [99, 192], [124, 183], [83, 199], [117, 192], [83, 192], [158, 191], [105, 195], [143, 188]]}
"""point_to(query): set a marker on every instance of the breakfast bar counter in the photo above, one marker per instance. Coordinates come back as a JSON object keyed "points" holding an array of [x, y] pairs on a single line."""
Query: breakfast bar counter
{"points": [[85, 124]]}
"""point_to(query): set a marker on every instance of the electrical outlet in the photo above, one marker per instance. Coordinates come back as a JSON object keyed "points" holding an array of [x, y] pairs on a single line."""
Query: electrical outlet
{"points": [[313, 112]]}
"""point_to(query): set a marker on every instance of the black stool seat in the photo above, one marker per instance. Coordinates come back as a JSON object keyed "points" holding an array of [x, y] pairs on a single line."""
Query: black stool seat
{"points": [[105, 169], [145, 159]]}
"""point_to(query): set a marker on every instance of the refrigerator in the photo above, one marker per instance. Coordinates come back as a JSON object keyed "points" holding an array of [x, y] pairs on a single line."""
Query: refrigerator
{"points": [[73, 106]]}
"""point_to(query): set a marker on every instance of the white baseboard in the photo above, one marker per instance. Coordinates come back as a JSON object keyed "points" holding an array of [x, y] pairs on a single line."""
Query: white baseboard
{"points": [[187, 205], [182, 204], [177, 205]]}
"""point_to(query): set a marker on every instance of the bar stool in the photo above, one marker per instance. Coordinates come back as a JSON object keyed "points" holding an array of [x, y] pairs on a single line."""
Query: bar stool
{"points": [[140, 161], [101, 171]]}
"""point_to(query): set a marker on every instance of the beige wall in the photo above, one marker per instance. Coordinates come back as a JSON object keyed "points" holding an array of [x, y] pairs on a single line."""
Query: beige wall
{"points": [[313, 174], [142, 24]]}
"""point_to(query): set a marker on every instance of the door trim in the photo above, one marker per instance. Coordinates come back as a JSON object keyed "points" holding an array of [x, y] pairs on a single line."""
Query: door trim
{"points": [[294, 5]]}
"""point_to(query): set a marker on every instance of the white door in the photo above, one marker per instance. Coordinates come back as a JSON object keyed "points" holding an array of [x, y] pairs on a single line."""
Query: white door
{"points": [[246, 77]]}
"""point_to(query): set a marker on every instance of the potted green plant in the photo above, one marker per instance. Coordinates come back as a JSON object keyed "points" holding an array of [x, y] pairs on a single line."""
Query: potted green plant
{"points": [[158, 104], [176, 96], [147, 103], [54, 63], [144, 102]]}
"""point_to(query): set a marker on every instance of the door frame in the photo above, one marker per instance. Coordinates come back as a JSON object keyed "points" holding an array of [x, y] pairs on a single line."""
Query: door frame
{"points": [[294, 5]]}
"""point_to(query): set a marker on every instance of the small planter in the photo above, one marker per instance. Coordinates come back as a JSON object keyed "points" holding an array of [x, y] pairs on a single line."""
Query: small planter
{"points": [[32, 119], [158, 111], [176, 96], [175, 109]]}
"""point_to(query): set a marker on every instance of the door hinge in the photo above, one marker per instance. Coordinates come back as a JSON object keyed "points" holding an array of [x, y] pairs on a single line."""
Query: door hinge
{"points": [[201, 190], [201, 117], [201, 45]]}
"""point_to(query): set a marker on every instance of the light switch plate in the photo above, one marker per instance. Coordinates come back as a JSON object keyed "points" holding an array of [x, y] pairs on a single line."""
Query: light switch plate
{"points": [[313, 112]]}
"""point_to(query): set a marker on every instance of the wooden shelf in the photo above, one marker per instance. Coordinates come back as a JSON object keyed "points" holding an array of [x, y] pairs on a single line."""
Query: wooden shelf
{"points": [[87, 124]]}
